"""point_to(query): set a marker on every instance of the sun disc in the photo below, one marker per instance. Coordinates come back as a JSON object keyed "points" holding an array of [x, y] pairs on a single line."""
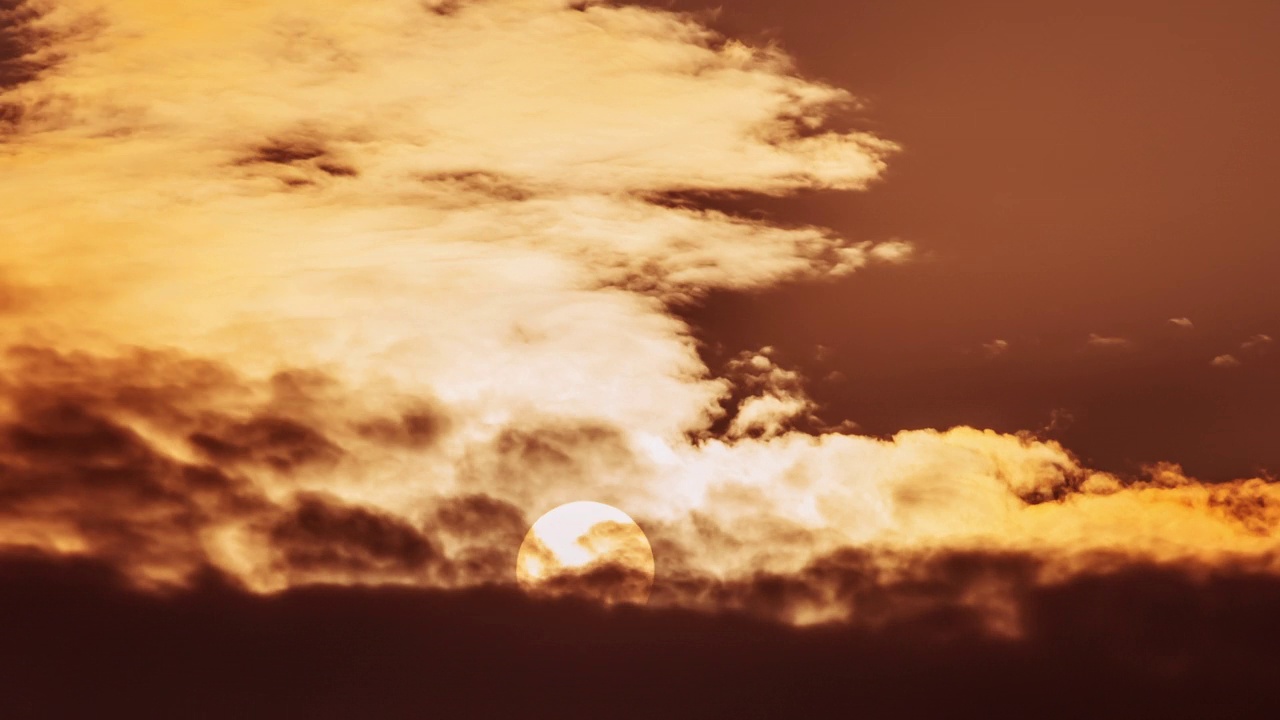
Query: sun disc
{"points": [[589, 549]]}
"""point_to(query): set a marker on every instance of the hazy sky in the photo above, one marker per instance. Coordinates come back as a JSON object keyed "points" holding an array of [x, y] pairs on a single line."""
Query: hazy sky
{"points": [[916, 321]]}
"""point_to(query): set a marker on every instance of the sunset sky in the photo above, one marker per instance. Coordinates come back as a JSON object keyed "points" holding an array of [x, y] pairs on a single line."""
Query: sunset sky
{"points": [[901, 359]]}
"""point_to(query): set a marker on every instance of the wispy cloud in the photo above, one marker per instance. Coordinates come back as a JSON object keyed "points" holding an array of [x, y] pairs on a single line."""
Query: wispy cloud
{"points": [[1257, 343], [995, 348], [1105, 342]]}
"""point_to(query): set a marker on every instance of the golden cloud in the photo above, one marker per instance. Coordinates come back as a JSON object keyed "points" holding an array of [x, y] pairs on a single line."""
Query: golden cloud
{"points": [[347, 292]]}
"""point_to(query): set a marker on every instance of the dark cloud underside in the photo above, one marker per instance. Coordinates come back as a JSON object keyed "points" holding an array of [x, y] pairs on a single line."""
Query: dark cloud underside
{"points": [[1140, 643]]}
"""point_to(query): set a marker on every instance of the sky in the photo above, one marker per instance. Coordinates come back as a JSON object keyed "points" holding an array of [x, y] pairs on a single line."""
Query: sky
{"points": [[928, 346], [1071, 171]]}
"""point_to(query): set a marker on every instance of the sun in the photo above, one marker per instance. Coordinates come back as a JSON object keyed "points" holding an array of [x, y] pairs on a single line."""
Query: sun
{"points": [[588, 549]]}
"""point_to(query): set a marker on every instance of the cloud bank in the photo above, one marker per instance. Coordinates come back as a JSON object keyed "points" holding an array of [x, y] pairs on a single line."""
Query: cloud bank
{"points": [[352, 293]]}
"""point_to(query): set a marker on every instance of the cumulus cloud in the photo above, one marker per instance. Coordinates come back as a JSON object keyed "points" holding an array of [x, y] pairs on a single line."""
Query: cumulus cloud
{"points": [[351, 297]]}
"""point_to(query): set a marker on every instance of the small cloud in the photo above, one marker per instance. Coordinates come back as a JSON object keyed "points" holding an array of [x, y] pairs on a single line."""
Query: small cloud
{"points": [[1257, 343], [1225, 361], [1183, 323], [1059, 419], [1108, 343], [844, 427], [893, 251], [777, 396], [850, 259], [995, 348]]}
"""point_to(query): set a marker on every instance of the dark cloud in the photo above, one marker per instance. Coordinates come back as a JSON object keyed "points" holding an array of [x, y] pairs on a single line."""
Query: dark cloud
{"points": [[91, 459], [1146, 642], [604, 582], [463, 540], [280, 443], [175, 392], [444, 8], [286, 426], [156, 384], [417, 427], [478, 514], [322, 534], [27, 51], [952, 591], [298, 160], [483, 534], [18, 40], [72, 472], [282, 152]]}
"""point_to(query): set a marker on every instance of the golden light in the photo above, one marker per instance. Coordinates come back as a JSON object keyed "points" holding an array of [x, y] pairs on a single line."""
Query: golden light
{"points": [[588, 549]]}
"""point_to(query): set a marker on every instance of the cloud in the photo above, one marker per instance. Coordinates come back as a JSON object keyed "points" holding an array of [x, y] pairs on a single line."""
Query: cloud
{"points": [[1102, 342], [288, 302], [1059, 420], [893, 251], [1225, 361], [21, 41], [1142, 639], [165, 464], [995, 348], [773, 399], [1182, 323], [1257, 343], [319, 539]]}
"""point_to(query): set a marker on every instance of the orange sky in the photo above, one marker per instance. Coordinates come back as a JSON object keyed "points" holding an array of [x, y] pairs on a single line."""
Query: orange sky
{"points": [[1068, 170], [288, 287], [898, 359]]}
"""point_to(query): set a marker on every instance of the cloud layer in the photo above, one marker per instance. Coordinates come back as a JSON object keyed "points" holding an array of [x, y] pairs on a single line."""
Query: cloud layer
{"points": [[354, 293]]}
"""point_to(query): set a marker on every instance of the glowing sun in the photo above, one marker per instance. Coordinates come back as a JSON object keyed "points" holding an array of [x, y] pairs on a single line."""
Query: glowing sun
{"points": [[588, 549]]}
